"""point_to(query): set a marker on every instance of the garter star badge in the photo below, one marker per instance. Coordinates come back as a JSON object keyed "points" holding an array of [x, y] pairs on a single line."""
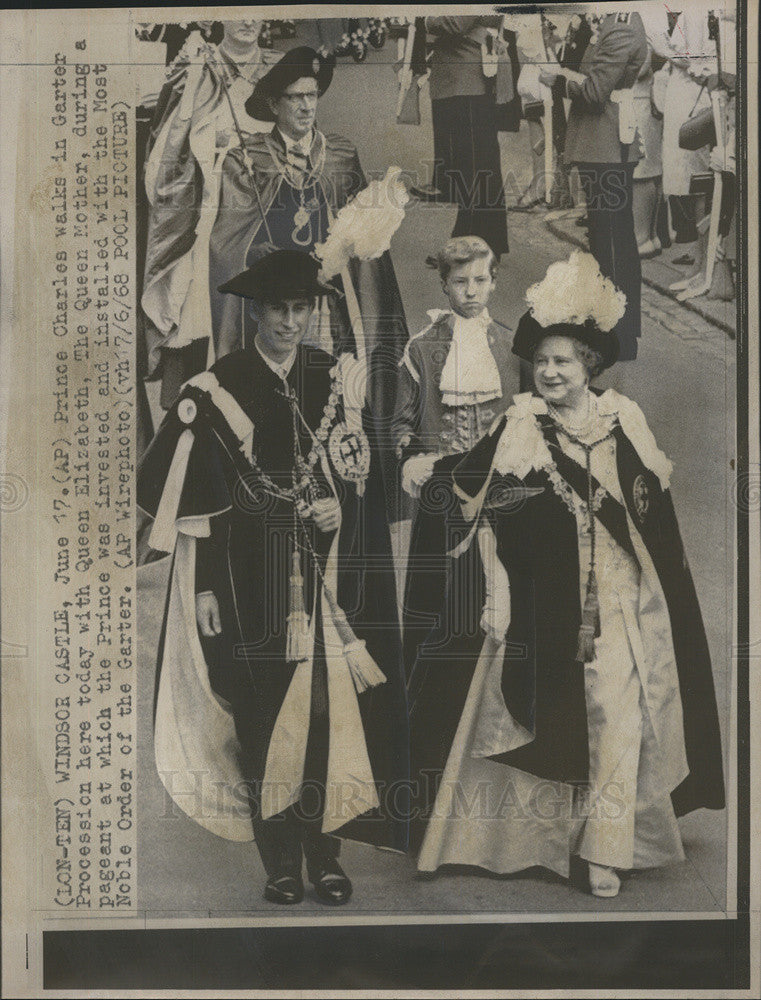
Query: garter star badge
{"points": [[350, 453], [641, 497]]}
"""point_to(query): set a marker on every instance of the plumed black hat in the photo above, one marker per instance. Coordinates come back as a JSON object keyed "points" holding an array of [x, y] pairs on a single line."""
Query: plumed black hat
{"points": [[530, 334], [295, 65], [278, 275]]}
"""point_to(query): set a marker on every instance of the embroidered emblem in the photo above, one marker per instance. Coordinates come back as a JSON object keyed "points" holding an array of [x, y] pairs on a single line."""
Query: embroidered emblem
{"points": [[641, 497], [350, 453], [316, 66], [622, 17]]}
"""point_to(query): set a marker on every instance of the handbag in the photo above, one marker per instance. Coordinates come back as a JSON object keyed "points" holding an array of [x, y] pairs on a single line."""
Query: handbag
{"points": [[699, 129], [701, 183], [533, 111]]}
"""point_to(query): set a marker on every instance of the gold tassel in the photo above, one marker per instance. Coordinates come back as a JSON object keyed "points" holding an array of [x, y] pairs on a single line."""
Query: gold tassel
{"points": [[590, 622], [365, 672], [299, 637]]}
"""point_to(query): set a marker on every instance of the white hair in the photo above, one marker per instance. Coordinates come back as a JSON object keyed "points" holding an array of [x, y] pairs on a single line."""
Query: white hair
{"points": [[574, 291]]}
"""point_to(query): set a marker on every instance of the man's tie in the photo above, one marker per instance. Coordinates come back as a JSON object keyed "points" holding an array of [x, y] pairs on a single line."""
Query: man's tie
{"points": [[298, 159]]}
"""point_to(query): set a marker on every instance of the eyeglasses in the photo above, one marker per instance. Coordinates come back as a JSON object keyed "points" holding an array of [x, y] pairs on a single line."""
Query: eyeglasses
{"points": [[310, 96]]}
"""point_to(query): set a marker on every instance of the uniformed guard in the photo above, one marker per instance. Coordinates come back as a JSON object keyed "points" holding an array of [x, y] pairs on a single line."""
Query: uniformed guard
{"points": [[602, 141], [280, 680], [468, 172]]}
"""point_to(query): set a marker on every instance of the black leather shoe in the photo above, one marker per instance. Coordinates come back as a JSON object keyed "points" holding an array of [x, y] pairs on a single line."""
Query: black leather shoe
{"points": [[331, 884], [284, 889]]}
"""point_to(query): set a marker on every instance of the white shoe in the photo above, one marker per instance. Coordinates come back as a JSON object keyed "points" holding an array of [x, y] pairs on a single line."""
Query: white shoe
{"points": [[698, 286], [650, 248], [677, 286], [603, 881]]}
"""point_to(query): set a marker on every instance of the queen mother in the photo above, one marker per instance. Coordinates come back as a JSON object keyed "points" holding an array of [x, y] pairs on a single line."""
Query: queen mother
{"points": [[591, 716]]}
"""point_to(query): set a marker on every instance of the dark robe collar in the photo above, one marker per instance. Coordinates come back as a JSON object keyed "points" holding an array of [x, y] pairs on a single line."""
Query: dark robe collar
{"points": [[279, 148], [269, 362], [247, 374]]}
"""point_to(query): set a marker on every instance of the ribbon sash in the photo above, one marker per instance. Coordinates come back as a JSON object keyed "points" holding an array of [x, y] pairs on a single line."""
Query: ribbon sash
{"points": [[611, 513]]}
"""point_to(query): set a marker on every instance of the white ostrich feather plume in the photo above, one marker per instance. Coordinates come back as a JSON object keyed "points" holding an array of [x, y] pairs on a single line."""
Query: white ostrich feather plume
{"points": [[574, 291], [363, 228]]}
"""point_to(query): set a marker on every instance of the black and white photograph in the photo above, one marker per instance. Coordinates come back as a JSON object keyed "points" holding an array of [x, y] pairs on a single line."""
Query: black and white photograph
{"points": [[384, 472]]}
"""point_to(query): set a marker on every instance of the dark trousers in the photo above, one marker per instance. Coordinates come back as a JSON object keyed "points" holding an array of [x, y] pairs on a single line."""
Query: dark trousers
{"points": [[285, 839], [608, 188], [683, 217], [467, 169]]}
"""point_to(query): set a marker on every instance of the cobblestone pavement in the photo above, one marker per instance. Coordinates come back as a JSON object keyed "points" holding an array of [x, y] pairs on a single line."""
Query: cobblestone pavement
{"points": [[676, 319]]}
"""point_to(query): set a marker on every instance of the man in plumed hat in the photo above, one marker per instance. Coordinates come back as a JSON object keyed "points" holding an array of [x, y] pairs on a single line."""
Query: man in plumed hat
{"points": [[284, 187], [279, 670]]}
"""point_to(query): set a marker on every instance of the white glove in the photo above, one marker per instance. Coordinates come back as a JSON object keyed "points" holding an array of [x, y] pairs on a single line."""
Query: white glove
{"points": [[326, 513], [207, 614], [416, 472], [722, 158], [495, 618]]}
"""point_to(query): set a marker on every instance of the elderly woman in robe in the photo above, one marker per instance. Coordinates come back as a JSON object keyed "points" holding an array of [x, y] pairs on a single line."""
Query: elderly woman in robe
{"points": [[590, 724]]}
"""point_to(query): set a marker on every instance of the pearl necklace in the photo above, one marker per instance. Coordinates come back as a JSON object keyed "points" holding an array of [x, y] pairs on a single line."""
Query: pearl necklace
{"points": [[581, 429]]}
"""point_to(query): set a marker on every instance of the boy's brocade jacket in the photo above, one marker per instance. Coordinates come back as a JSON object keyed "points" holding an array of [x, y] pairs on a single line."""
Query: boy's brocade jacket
{"points": [[423, 423]]}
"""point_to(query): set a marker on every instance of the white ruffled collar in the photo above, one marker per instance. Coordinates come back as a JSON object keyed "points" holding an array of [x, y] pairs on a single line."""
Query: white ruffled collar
{"points": [[522, 446], [470, 374]]}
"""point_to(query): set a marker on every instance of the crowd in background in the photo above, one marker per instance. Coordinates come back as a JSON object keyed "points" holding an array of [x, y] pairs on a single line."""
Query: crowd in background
{"points": [[267, 259], [555, 77]]}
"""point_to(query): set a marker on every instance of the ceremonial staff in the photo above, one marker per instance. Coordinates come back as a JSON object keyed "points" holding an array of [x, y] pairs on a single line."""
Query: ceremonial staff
{"points": [[219, 70], [405, 76]]}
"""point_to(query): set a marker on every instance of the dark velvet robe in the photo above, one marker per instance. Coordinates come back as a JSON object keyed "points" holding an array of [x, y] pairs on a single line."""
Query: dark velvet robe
{"points": [[542, 683], [240, 226], [245, 562], [423, 424]]}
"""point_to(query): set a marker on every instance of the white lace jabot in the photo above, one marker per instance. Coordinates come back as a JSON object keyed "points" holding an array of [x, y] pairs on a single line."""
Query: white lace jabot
{"points": [[470, 374]]}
